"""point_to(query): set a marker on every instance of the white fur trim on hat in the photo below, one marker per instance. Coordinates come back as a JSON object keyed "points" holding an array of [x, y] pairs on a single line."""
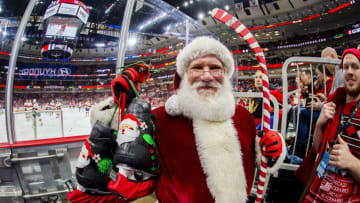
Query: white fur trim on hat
{"points": [[203, 46]]}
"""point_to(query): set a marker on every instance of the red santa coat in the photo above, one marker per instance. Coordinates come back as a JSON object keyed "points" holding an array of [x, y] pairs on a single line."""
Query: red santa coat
{"points": [[188, 172]]}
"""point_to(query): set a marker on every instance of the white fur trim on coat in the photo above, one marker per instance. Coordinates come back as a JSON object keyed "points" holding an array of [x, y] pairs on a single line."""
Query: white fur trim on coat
{"points": [[103, 112], [221, 159], [203, 46], [278, 162]]}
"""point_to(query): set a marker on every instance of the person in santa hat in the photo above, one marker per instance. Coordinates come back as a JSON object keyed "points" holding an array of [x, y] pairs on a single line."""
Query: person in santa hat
{"points": [[206, 144], [331, 169]]}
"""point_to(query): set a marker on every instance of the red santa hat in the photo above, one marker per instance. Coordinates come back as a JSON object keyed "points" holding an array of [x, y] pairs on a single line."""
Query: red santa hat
{"points": [[202, 46], [131, 120], [353, 51]]}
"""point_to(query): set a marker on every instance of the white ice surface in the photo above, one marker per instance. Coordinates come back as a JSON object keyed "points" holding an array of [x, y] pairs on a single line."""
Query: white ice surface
{"points": [[75, 123]]}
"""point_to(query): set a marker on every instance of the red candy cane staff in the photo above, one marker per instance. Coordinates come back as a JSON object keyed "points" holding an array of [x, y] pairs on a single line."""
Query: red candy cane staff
{"points": [[240, 28]]}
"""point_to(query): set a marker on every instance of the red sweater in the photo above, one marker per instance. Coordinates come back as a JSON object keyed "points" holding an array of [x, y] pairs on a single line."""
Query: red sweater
{"points": [[308, 167]]}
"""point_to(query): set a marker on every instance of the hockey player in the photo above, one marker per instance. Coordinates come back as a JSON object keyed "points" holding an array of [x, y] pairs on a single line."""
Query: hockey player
{"points": [[87, 108], [27, 108], [58, 106], [36, 108], [52, 106]]}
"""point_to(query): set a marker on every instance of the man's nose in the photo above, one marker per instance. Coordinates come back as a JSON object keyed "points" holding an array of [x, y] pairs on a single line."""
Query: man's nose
{"points": [[207, 75], [350, 70]]}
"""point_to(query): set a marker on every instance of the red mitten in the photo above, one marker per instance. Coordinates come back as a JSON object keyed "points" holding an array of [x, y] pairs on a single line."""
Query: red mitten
{"points": [[128, 189], [137, 73], [120, 84], [77, 196], [271, 144]]}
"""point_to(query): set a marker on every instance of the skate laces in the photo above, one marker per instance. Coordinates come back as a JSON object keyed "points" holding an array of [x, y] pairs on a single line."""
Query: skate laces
{"points": [[141, 75]]}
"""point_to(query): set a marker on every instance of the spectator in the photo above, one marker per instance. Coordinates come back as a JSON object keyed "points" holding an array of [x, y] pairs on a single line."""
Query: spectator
{"points": [[331, 53], [336, 142], [256, 103]]}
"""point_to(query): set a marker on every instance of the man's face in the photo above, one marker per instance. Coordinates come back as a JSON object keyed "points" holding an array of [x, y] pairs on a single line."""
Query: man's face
{"points": [[320, 75], [258, 79], [306, 78], [206, 74], [351, 69], [332, 55]]}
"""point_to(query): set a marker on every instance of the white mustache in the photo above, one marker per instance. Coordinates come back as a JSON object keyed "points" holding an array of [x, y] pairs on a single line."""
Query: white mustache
{"points": [[205, 84]]}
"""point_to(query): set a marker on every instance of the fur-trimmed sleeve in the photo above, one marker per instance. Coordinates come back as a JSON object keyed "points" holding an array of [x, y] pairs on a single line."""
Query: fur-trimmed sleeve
{"points": [[104, 112]]}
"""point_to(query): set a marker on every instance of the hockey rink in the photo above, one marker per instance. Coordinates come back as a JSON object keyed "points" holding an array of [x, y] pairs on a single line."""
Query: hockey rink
{"points": [[74, 123]]}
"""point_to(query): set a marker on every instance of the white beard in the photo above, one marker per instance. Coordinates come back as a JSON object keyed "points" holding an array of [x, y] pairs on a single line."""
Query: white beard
{"points": [[127, 136], [217, 107]]}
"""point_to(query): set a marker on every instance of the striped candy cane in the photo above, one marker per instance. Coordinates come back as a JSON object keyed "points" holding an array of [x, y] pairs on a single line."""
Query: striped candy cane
{"points": [[240, 28]]}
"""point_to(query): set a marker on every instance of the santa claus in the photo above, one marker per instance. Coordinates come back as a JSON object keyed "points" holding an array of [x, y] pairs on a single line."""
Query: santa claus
{"points": [[129, 129], [206, 143]]}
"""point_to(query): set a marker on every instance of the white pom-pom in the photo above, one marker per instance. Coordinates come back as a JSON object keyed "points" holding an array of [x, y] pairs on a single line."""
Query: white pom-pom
{"points": [[172, 106]]}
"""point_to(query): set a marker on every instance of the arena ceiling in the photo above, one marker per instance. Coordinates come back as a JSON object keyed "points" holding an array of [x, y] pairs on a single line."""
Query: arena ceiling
{"points": [[106, 17]]}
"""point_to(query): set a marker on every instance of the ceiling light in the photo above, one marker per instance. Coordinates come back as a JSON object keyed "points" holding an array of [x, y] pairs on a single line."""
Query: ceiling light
{"points": [[132, 41], [23, 39], [191, 1], [109, 8], [186, 4], [177, 7], [200, 16], [4, 33], [227, 7], [99, 44]]}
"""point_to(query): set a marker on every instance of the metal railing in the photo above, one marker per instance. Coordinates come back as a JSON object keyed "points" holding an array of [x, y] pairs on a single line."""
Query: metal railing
{"points": [[310, 62]]}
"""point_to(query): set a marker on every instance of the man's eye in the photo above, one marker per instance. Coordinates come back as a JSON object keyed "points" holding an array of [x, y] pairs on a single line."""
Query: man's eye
{"points": [[196, 67], [215, 68]]}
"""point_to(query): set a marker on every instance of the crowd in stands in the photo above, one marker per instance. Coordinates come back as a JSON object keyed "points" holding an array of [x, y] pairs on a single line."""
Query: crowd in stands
{"points": [[156, 94]]}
